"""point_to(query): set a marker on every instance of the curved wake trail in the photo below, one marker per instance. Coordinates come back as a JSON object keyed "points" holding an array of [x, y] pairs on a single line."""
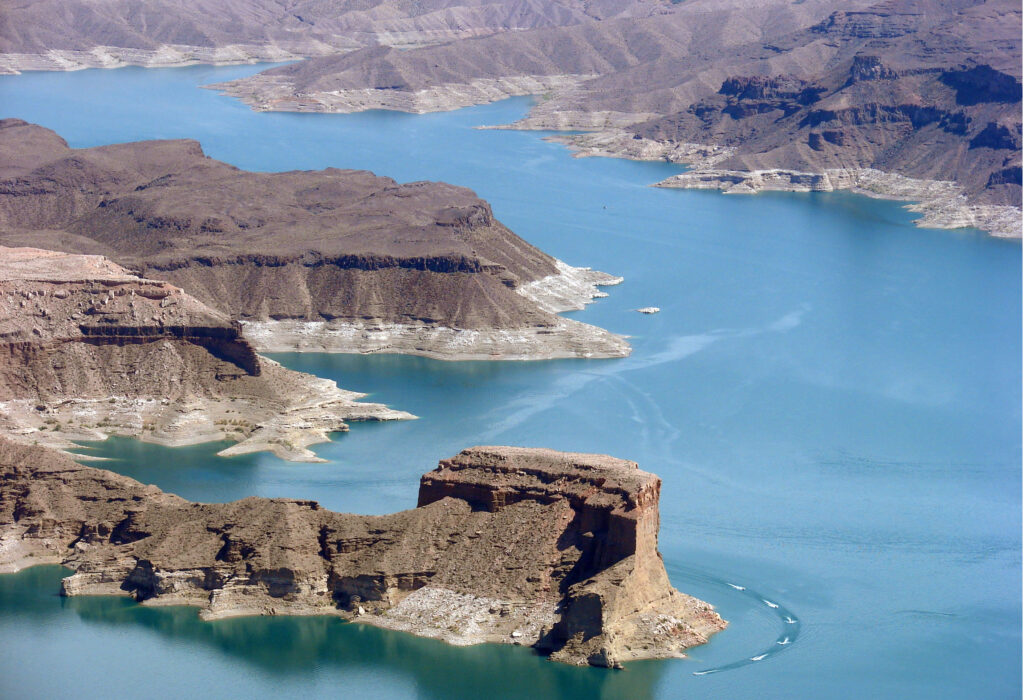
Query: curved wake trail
{"points": [[789, 634]]}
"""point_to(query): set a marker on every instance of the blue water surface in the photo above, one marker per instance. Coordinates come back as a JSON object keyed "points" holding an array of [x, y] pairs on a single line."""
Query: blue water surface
{"points": [[831, 396]]}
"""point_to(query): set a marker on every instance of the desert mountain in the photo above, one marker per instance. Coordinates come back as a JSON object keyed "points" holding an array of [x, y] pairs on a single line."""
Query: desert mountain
{"points": [[335, 259]]}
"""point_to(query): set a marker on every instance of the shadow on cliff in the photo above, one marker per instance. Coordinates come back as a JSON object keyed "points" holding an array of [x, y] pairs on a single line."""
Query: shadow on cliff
{"points": [[289, 646]]}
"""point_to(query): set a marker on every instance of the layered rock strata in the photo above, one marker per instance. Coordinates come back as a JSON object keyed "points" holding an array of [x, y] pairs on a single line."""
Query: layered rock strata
{"points": [[526, 546], [72, 34], [89, 350], [334, 260]]}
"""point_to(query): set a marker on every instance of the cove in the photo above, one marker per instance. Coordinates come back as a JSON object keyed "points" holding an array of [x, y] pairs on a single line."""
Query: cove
{"points": [[830, 395]]}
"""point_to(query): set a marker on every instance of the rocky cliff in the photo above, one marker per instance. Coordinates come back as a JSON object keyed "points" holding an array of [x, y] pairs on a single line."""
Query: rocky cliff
{"points": [[330, 260], [88, 350], [514, 545]]}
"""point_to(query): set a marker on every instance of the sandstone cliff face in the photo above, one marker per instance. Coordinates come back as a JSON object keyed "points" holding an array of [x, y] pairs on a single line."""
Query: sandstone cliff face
{"points": [[347, 248], [509, 545], [88, 349]]}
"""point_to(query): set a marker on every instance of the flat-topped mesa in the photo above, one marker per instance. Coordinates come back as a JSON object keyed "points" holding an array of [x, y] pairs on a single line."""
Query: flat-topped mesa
{"points": [[565, 560], [51, 298], [331, 260], [617, 592], [607, 495], [88, 349]]}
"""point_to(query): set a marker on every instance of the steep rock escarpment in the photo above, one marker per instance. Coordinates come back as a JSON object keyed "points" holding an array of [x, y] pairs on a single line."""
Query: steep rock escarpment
{"points": [[330, 260], [515, 545], [88, 350]]}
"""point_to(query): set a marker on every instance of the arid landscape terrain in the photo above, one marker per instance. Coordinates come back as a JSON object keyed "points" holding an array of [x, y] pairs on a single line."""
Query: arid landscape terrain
{"points": [[333, 260], [830, 392]]}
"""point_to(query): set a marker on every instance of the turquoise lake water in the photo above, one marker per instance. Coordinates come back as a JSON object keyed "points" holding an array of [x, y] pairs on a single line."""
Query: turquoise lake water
{"points": [[831, 396]]}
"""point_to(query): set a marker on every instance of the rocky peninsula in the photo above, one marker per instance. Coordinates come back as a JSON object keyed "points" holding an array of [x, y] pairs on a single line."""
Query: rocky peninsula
{"points": [[512, 545], [89, 350], [329, 261]]}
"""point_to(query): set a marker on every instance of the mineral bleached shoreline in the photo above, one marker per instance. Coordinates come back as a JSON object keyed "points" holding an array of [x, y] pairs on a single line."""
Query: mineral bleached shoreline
{"points": [[942, 204], [90, 350], [566, 339], [268, 92], [509, 545], [570, 289]]}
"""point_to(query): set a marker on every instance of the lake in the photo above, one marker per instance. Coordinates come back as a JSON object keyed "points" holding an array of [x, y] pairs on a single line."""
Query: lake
{"points": [[831, 395]]}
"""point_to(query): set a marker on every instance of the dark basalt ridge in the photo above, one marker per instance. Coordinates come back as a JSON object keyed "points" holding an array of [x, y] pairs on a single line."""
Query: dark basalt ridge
{"points": [[556, 550]]}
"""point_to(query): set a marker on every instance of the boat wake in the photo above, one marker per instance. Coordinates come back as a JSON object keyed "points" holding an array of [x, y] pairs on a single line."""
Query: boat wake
{"points": [[789, 624]]}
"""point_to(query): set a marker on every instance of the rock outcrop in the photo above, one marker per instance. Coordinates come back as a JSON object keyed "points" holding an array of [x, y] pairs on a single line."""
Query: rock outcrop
{"points": [[335, 260], [88, 350], [525, 546]]}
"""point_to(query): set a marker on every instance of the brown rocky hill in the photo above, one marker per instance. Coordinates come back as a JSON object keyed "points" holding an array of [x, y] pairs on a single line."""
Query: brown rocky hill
{"points": [[661, 60], [535, 547], [928, 91], [330, 260], [89, 350], [63, 34]]}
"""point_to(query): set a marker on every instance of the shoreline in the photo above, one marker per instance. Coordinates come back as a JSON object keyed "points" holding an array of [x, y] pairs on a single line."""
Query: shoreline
{"points": [[271, 93], [567, 339], [286, 431], [942, 203], [570, 289], [167, 56]]}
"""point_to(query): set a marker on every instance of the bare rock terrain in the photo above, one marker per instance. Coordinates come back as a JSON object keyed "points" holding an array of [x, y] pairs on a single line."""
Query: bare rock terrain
{"points": [[334, 260], [526, 546], [89, 350], [73, 34], [925, 92]]}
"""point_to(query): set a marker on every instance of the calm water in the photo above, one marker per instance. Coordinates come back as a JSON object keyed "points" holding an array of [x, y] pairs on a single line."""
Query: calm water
{"points": [[831, 396]]}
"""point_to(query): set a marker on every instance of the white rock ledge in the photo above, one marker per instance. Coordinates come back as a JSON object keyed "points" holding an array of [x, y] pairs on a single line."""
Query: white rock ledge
{"points": [[276, 93], [566, 339], [943, 204], [568, 290]]}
